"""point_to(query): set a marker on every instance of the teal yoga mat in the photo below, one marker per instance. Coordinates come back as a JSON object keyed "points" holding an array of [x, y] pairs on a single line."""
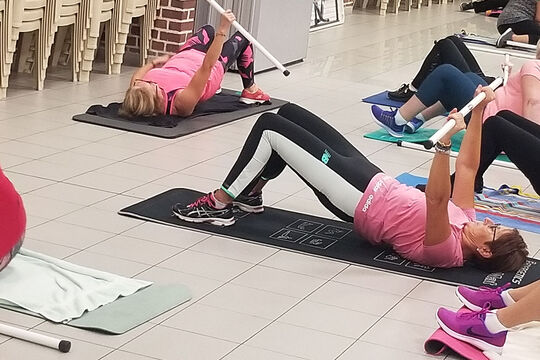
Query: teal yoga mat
{"points": [[127, 312], [420, 136]]}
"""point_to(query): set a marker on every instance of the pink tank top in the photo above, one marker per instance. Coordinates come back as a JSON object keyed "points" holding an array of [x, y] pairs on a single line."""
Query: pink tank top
{"points": [[395, 214], [176, 74]]}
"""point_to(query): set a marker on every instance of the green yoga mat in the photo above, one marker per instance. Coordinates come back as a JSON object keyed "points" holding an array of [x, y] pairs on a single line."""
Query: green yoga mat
{"points": [[420, 136], [128, 312]]}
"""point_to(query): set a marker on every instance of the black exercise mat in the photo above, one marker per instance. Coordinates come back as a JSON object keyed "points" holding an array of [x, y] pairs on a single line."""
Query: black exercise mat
{"points": [[321, 237], [220, 109]]}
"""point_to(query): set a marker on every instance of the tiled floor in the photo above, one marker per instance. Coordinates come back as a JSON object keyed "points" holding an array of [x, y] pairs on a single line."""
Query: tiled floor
{"points": [[250, 301]]}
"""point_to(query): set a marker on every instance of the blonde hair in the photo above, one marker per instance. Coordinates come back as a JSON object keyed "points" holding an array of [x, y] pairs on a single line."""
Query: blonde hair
{"points": [[138, 103]]}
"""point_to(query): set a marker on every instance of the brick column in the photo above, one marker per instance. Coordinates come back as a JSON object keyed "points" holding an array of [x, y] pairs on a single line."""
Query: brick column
{"points": [[173, 25]]}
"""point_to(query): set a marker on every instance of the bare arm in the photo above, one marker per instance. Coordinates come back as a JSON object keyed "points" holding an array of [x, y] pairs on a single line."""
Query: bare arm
{"points": [[537, 16], [140, 72], [186, 100], [530, 88], [438, 189], [469, 154]]}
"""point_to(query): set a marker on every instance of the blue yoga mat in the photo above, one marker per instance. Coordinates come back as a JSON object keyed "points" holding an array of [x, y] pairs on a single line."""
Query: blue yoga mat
{"points": [[382, 99], [481, 214]]}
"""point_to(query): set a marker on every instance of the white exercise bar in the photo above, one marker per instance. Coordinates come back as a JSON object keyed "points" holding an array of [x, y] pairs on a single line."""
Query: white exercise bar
{"points": [[523, 55], [466, 109], [248, 36], [415, 146], [506, 68], [61, 345], [521, 45]]}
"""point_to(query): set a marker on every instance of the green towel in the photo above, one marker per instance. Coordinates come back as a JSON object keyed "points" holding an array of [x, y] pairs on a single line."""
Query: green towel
{"points": [[420, 136]]}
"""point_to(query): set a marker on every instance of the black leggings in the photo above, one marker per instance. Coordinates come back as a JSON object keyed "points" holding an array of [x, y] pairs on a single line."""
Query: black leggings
{"points": [[518, 137], [237, 49], [332, 167], [450, 50], [485, 5], [527, 27]]}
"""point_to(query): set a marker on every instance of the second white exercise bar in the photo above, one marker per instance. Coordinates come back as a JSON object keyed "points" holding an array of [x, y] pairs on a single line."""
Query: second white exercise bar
{"points": [[248, 36], [60, 345], [466, 110]]}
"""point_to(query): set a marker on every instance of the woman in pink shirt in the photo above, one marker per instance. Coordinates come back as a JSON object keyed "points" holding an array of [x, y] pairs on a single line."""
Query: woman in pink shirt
{"points": [[429, 228], [176, 84]]}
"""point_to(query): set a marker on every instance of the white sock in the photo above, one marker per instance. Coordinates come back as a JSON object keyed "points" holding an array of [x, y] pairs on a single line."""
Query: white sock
{"points": [[493, 325], [400, 120], [219, 204], [421, 117], [507, 298]]}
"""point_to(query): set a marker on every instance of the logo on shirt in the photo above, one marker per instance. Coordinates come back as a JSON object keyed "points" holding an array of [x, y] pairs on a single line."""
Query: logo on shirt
{"points": [[326, 157], [369, 200]]}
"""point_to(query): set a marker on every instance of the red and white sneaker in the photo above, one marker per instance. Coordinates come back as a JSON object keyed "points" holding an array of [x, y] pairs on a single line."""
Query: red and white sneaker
{"points": [[258, 97]]}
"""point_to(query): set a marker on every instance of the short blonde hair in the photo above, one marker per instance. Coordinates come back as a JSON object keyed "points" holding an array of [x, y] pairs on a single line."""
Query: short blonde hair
{"points": [[137, 102]]}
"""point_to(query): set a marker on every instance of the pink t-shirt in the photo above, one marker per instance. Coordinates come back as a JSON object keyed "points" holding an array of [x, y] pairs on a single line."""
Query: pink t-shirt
{"points": [[509, 97], [178, 71], [395, 214]]}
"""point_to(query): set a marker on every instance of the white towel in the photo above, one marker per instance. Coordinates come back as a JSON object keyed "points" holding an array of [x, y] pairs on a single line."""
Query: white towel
{"points": [[58, 290], [522, 343]]}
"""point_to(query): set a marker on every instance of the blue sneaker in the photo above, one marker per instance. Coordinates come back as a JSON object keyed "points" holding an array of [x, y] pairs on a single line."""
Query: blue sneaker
{"points": [[412, 126], [386, 120]]}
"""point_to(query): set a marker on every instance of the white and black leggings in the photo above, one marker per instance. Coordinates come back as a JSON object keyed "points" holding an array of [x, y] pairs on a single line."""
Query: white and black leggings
{"points": [[331, 166]]}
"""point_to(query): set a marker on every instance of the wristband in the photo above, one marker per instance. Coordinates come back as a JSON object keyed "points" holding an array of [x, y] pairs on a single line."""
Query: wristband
{"points": [[443, 148]]}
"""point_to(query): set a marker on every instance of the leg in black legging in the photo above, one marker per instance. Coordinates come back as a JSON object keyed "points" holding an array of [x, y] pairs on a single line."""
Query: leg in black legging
{"points": [[444, 51], [200, 40], [238, 49], [528, 27], [467, 55], [518, 137], [323, 159], [485, 5]]}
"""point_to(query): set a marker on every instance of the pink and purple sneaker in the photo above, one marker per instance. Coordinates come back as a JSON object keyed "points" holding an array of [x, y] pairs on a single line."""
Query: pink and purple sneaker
{"points": [[470, 327], [484, 297]]}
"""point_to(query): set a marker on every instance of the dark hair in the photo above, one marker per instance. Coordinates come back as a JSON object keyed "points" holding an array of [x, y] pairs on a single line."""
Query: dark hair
{"points": [[509, 253]]}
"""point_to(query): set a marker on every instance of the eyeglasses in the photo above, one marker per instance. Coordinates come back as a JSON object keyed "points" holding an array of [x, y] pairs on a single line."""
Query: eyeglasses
{"points": [[155, 84], [494, 227]]}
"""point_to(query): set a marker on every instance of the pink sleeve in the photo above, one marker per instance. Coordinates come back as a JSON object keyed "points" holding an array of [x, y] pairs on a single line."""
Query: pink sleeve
{"points": [[531, 68], [470, 214], [444, 255]]}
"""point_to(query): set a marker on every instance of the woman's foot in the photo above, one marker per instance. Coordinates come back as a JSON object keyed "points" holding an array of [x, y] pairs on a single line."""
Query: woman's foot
{"points": [[484, 297], [403, 94], [412, 126], [470, 327], [464, 6], [387, 120], [250, 203], [504, 38], [206, 209], [254, 95]]}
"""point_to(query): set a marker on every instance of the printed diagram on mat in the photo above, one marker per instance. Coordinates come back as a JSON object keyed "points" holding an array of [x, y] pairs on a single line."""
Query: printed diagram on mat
{"points": [[325, 12], [390, 257], [311, 233]]}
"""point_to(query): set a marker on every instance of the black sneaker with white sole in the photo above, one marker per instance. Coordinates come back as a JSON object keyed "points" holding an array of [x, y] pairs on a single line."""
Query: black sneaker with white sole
{"points": [[403, 94], [504, 38], [204, 210], [250, 203]]}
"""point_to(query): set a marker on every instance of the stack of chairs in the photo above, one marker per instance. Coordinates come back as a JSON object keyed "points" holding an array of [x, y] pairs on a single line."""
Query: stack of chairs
{"points": [[87, 18], [145, 10]]}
